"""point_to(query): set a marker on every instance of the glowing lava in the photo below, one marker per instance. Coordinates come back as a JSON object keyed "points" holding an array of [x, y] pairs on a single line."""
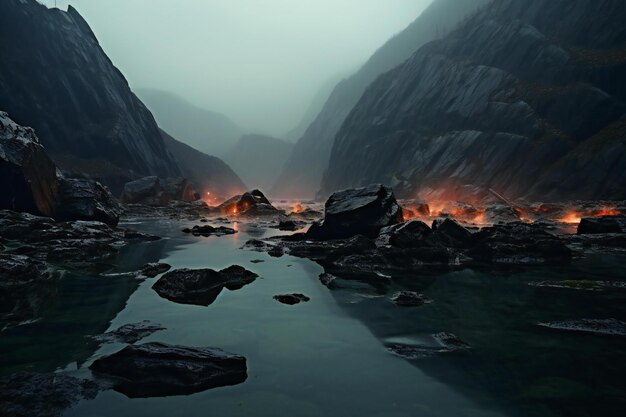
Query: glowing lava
{"points": [[571, 217]]}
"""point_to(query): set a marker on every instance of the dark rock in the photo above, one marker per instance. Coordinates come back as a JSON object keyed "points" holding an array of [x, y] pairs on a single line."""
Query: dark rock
{"points": [[609, 327], [288, 225], [26, 288], [130, 333], [257, 261], [177, 189], [250, 203], [201, 286], [134, 235], [520, 244], [207, 230], [141, 189], [160, 370], [451, 233], [358, 211], [154, 269], [443, 343], [291, 299], [410, 299], [29, 177], [602, 224], [411, 234], [42, 395], [83, 199], [580, 284]]}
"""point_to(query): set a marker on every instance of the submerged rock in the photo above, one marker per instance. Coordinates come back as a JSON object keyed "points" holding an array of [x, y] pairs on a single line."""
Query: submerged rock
{"points": [[362, 211], [201, 286], [130, 333], [410, 299], [28, 176], [43, 395], [153, 269], [442, 343], [291, 299], [585, 285], [207, 231], [609, 327], [160, 370]]}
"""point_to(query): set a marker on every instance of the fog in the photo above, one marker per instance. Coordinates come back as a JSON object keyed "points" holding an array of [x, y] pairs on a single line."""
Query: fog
{"points": [[260, 62]]}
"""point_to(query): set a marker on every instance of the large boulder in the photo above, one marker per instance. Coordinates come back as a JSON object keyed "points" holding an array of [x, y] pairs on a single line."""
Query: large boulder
{"points": [[362, 211], [84, 199], [602, 224], [141, 189], [201, 286], [250, 203], [28, 177], [159, 370]]}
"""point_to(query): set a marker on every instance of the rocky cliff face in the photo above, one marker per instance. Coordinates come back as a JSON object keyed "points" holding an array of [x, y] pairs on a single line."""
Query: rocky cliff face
{"points": [[313, 149], [206, 173], [258, 159], [55, 77], [524, 97]]}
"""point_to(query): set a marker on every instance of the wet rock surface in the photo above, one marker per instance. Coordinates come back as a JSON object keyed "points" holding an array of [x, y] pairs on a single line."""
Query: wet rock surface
{"points": [[207, 230], [159, 370], [83, 199], [607, 327], [410, 299], [130, 333], [291, 299], [151, 270], [201, 286], [440, 343], [362, 211], [37, 249], [42, 395]]}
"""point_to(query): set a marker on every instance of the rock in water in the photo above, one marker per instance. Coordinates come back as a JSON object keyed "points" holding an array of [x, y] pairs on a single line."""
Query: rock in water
{"points": [[362, 211], [83, 199], [130, 333], [201, 286], [292, 299], [42, 395], [160, 370], [153, 269], [250, 203], [609, 327], [602, 224], [207, 230], [28, 179], [410, 299]]}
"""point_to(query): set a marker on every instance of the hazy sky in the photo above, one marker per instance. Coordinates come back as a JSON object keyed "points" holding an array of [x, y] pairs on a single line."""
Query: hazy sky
{"points": [[258, 61]]}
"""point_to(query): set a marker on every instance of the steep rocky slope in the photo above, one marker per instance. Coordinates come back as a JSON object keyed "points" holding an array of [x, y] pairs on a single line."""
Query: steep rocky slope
{"points": [[313, 149], [55, 77], [205, 130], [258, 159], [525, 97], [207, 173]]}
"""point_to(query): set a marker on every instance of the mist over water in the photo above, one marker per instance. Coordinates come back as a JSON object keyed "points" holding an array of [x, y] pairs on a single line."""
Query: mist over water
{"points": [[261, 63]]}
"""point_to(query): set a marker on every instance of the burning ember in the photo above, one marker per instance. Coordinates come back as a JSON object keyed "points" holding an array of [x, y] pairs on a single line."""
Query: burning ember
{"points": [[297, 208]]}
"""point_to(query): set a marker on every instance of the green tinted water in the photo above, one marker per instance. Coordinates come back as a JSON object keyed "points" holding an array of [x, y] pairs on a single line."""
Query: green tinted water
{"points": [[328, 356]]}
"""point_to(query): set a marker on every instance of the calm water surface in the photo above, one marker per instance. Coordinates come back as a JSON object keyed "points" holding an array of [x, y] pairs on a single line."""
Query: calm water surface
{"points": [[328, 357]]}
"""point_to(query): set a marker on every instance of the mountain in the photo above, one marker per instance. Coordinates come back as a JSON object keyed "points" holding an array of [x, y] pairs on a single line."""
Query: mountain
{"points": [[55, 77], [258, 159], [315, 107], [313, 149], [527, 98], [202, 129], [207, 173]]}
